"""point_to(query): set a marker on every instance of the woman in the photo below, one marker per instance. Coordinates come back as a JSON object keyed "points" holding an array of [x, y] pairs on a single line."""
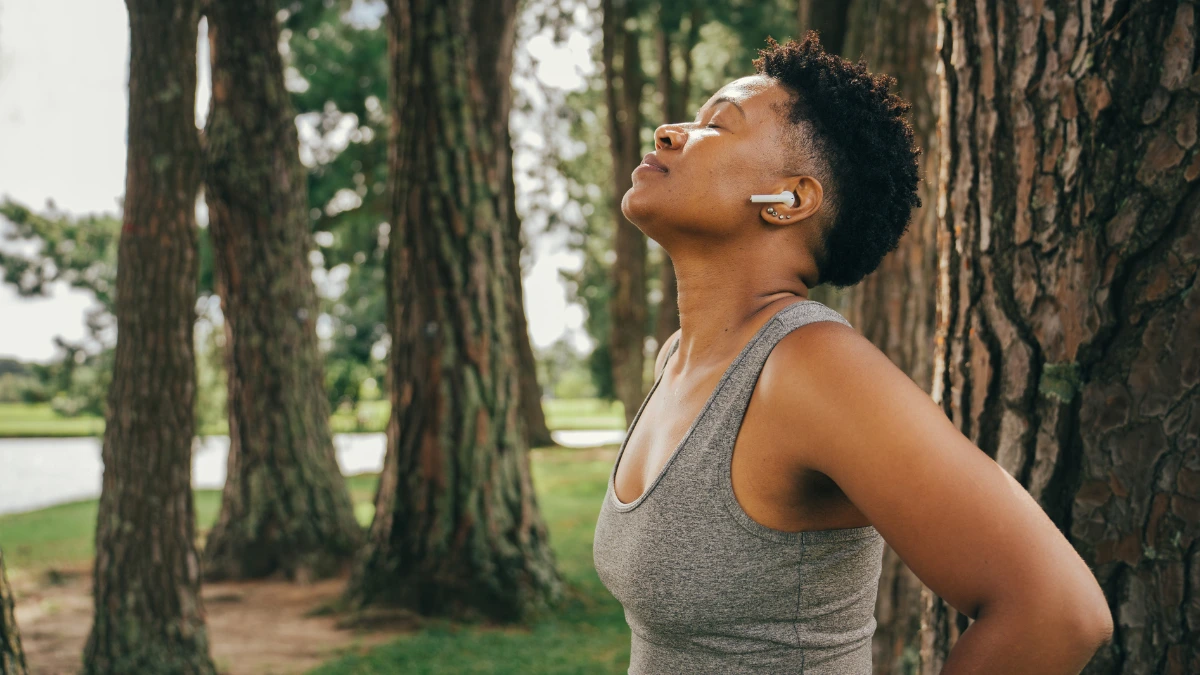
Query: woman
{"points": [[746, 512]]}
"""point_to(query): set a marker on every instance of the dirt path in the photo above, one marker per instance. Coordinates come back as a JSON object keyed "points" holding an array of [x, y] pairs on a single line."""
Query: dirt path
{"points": [[255, 628]]}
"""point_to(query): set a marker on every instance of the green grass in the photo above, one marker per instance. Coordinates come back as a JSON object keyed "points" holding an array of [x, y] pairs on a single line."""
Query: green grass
{"points": [[583, 413], [64, 534], [19, 420], [588, 635]]}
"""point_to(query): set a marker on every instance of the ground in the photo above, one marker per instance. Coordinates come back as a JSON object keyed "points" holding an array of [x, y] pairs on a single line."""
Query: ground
{"points": [[255, 627], [270, 627]]}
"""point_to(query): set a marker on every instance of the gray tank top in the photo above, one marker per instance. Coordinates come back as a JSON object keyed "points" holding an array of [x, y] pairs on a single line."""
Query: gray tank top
{"points": [[707, 589]]}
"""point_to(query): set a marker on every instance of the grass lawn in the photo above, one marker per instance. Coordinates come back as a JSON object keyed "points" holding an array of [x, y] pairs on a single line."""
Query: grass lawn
{"points": [[19, 420], [39, 420], [588, 635]]}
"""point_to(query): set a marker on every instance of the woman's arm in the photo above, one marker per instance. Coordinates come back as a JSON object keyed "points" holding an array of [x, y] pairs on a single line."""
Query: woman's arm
{"points": [[962, 524]]}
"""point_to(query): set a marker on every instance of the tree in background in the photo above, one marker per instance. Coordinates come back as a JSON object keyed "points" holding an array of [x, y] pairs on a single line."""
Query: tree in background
{"points": [[678, 32], [893, 307], [82, 253], [500, 99], [624, 81], [12, 657], [457, 530], [148, 615], [335, 56], [285, 507], [338, 53], [1067, 312], [703, 50]]}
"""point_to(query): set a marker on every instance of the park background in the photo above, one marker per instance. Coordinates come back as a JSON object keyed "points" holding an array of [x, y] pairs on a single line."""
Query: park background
{"points": [[1085, 317]]}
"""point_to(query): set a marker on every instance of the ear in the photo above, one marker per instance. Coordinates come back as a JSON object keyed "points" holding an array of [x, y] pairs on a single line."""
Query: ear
{"points": [[808, 195]]}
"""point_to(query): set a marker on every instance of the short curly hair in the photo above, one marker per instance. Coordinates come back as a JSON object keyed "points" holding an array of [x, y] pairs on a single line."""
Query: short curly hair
{"points": [[856, 133]]}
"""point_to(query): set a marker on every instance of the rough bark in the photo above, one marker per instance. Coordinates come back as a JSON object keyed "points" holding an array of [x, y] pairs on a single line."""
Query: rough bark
{"points": [[149, 617], [827, 17], [894, 306], [285, 508], [830, 20], [12, 657], [457, 531], [1067, 317], [532, 414], [675, 103], [624, 81]]}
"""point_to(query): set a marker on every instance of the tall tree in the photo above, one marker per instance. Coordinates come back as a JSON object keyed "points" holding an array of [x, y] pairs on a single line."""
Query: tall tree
{"points": [[12, 657], [285, 508], [624, 82], [457, 530], [1067, 312], [678, 27], [149, 617], [829, 18], [499, 94], [894, 306]]}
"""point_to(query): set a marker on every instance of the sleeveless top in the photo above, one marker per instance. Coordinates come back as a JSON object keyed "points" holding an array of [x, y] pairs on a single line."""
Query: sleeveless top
{"points": [[707, 589]]}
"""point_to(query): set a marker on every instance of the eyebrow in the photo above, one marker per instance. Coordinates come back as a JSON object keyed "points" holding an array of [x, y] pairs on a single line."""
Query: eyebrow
{"points": [[721, 100]]}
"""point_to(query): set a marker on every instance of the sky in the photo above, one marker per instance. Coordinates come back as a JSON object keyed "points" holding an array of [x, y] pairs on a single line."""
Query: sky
{"points": [[63, 103]]}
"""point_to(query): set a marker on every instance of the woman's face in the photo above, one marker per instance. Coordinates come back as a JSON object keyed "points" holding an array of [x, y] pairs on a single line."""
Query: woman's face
{"points": [[733, 149]]}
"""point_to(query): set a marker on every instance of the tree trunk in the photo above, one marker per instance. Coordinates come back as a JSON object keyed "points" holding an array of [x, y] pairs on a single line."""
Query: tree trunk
{"points": [[457, 531], [149, 617], [1067, 317], [894, 306], [827, 17], [830, 19], [531, 391], [627, 306], [675, 104], [285, 509], [12, 657]]}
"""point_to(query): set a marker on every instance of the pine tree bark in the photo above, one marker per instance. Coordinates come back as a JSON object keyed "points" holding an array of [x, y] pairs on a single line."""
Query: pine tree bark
{"points": [[534, 417], [149, 617], [285, 508], [12, 657], [828, 17], [675, 102], [457, 531], [894, 307], [627, 305], [1067, 314]]}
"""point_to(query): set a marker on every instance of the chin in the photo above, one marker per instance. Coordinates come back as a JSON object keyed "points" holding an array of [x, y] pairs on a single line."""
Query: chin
{"points": [[644, 210]]}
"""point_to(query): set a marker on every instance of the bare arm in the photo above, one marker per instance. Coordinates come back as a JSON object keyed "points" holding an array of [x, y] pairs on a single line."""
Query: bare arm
{"points": [[965, 527]]}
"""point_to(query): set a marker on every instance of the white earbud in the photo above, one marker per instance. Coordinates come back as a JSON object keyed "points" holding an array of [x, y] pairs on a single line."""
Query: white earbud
{"points": [[786, 197]]}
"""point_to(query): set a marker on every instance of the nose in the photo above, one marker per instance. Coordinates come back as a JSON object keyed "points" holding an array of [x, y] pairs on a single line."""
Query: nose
{"points": [[669, 137]]}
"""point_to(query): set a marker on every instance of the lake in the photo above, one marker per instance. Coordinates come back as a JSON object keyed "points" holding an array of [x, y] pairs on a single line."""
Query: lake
{"points": [[39, 472]]}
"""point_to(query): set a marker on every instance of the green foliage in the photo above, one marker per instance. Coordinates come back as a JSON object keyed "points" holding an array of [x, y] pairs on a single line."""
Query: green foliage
{"points": [[337, 66], [81, 252], [212, 383], [728, 37]]}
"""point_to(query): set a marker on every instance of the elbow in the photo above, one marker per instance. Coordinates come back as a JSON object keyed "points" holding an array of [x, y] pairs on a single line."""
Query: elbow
{"points": [[1091, 623], [1098, 630]]}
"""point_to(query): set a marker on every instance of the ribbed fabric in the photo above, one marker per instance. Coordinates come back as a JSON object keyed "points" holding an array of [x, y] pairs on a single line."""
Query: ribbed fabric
{"points": [[707, 589]]}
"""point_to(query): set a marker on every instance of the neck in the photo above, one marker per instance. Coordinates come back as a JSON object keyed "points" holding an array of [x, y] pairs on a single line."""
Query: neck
{"points": [[723, 302]]}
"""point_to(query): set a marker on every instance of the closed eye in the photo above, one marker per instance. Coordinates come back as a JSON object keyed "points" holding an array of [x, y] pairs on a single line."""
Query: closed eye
{"points": [[712, 126]]}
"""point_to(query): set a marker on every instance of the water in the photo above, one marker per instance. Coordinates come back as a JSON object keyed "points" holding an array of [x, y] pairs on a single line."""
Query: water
{"points": [[39, 472]]}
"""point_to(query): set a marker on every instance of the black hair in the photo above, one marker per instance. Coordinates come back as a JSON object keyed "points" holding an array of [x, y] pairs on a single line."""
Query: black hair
{"points": [[857, 135]]}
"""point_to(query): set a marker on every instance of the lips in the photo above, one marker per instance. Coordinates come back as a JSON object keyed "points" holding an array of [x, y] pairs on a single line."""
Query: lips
{"points": [[653, 161]]}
